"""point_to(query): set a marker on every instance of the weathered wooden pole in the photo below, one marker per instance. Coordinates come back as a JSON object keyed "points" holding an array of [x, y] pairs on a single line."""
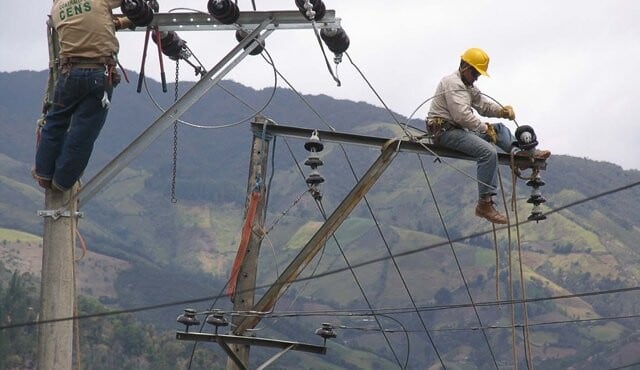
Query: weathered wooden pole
{"points": [[57, 295], [246, 280]]}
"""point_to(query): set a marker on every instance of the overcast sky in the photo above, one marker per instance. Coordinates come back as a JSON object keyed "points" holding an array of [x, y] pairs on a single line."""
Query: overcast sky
{"points": [[569, 68]]}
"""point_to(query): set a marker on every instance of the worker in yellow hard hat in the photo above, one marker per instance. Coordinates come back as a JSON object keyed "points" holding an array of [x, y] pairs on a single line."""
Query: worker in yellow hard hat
{"points": [[452, 121]]}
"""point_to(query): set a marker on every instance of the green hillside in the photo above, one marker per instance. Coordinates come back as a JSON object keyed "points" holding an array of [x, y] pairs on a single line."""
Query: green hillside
{"points": [[153, 251]]}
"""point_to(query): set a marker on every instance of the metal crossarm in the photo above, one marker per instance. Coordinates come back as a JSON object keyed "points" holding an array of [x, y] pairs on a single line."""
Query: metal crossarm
{"points": [[200, 21], [420, 147]]}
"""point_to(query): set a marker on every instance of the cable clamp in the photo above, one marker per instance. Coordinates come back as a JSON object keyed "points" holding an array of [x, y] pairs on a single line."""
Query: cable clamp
{"points": [[56, 214]]}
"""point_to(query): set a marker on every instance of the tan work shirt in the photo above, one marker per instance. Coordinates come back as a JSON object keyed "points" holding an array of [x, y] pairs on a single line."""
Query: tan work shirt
{"points": [[85, 27], [454, 101]]}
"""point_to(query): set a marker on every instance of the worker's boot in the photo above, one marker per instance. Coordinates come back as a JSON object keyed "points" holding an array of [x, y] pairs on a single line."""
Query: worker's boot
{"points": [[485, 209], [44, 183]]}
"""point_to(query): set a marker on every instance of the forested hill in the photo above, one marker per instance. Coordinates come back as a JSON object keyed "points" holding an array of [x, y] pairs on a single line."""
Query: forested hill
{"points": [[146, 250]]}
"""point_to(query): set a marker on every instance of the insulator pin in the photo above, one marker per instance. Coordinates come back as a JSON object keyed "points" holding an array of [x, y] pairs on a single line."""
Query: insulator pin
{"points": [[188, 318], [526, 137], [241, 35], [536, 198], [314, 144], [172, 45], [317, 9], [225, 11], [314, 178], [217, 319], [313, 162], [326, 331], [336, 39], [536, 214], [138, 11]]}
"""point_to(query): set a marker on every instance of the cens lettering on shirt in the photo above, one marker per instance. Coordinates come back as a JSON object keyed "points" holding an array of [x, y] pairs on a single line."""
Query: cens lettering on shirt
{"points": [[73, 7]]}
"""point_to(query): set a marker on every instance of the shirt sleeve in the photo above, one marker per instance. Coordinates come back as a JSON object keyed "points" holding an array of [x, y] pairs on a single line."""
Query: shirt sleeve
{"points": [[459, 104], [483, 105]]}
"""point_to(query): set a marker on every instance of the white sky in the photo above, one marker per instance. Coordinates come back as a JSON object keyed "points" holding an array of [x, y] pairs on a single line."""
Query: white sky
{"points": [[568, 67]]}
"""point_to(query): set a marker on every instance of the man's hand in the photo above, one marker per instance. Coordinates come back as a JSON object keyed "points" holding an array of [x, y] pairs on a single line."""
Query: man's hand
{"points": [[122, 23], [491, 133], [507, 112]]}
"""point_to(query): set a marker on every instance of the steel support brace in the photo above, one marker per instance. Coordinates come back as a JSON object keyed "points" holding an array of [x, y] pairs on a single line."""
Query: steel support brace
{"points": [[318, 240]]}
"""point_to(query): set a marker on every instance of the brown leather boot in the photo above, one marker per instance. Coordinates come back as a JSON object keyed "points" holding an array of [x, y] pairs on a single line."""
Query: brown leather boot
{"points": [[44, 183], [485, 209]]}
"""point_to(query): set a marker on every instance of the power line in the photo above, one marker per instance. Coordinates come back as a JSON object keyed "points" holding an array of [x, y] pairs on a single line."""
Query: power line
{"points": [[370, 262], [455, 257], [365, 198]]}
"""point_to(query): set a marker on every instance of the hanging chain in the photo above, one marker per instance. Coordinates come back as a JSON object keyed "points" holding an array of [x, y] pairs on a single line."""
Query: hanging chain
{"points": [[174, 167]]}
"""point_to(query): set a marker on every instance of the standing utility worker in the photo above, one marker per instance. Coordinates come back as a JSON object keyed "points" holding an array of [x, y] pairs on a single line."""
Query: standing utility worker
{"points": [[454, 125], [86, 78]]}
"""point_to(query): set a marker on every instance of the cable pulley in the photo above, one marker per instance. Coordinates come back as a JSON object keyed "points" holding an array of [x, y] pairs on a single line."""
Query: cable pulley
{"points": [[225, 11], [241, 35], [312, 9], [138, 11], [188, 318]]}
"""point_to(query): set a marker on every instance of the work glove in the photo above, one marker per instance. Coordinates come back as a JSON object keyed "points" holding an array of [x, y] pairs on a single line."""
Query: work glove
{"points": [[507, 112], [122, 23], [491, 133]]}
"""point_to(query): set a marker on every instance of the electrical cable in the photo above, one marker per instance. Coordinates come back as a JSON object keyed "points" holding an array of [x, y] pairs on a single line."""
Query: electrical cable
{"points": [[406, 335], [225, 125], [352, 312], [373, 89], [495, 327], [326, 60], [509, 269], [456, 259], [377, 260], [357, 281], [523, 288], [402, 278], [371, 212], [365, 199]]}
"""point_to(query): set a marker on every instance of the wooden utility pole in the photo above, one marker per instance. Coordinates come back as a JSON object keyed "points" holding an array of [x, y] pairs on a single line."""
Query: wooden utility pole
{"points": [[318, 240], [57, 295], [246, 283]]}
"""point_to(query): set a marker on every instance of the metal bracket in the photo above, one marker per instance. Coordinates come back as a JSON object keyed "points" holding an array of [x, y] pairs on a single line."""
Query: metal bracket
{"points": [[56, 214]]}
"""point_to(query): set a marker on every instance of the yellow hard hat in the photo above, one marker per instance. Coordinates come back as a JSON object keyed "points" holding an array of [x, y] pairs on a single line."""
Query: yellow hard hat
{"points": [[478, 59]]}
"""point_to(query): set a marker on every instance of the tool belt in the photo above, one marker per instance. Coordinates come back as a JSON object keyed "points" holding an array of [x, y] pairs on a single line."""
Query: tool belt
{"points": [[437, 125], [65, 64], [80, 62]]}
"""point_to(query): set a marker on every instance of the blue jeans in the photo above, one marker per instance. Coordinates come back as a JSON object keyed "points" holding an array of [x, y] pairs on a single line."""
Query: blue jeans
{"points": [[485, 153], [72, 125]]}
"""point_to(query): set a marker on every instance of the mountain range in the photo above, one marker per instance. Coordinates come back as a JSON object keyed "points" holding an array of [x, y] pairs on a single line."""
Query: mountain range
{"points": [[392, 255]]}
